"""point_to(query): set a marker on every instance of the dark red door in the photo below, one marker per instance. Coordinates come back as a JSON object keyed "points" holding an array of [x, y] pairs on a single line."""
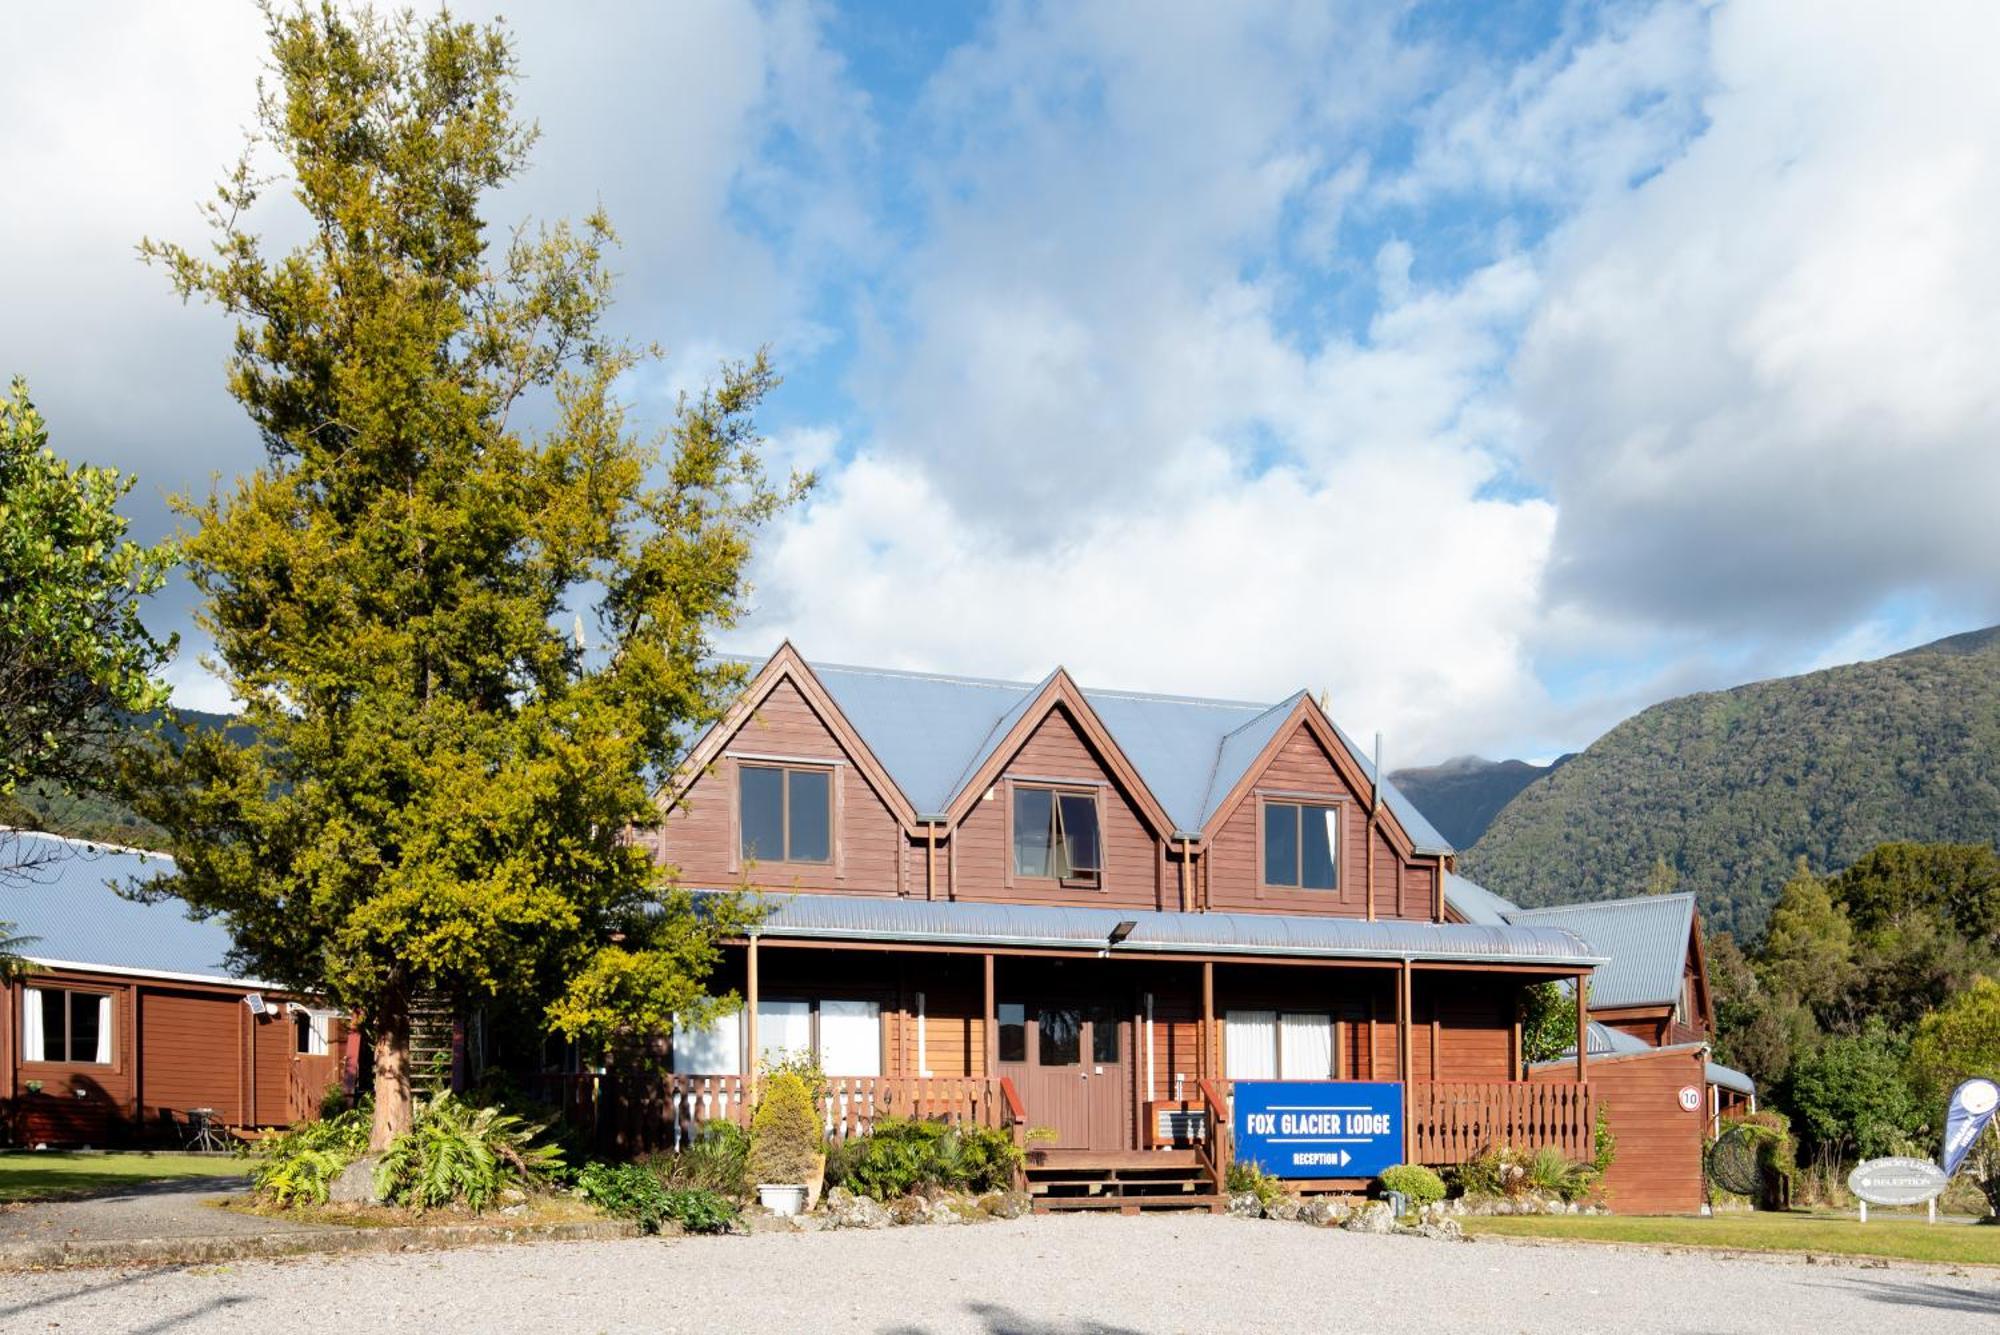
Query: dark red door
{"points": [[1068, 1060]]}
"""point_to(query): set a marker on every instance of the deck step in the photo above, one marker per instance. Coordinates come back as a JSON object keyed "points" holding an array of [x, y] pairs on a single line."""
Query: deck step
{"points": [[1208, 1201]]}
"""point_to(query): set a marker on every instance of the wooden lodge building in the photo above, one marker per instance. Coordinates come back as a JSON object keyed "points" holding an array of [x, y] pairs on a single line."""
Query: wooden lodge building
{"points": [[131, 1028], [1097, 913]]}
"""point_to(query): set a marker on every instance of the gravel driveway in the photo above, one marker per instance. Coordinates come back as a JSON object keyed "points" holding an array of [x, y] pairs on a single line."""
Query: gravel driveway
{"points": [[1047, 1276]]}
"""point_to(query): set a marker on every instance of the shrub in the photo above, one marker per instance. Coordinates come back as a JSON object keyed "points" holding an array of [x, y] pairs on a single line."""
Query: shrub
{"points": [[784, 1133], [1501, 1170], [298, 1166], [634, 1191], [1419, 1185], [717, 1160], [902, 1155], [458, 1154], [1247, 1175]]}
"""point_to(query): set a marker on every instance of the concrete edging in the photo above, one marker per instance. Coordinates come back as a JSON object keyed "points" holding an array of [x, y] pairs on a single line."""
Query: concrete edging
{"points": [[331, 1240]]}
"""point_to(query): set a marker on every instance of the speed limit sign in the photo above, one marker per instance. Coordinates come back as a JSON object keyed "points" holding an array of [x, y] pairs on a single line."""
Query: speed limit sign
{"points": [[1690, 1099]]}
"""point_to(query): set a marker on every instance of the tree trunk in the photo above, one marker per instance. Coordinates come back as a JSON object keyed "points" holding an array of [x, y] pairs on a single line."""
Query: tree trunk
{"points": [[393, 1111]]}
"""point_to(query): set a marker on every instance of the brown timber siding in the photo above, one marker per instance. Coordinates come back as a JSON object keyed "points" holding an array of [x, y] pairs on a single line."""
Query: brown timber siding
{"points": [[1657, 1166], [1056, 750], [699, 836]]}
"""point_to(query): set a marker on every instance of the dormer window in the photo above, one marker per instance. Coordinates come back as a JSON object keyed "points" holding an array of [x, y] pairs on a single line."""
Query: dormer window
{"points": [[1301, 846], [785, 814], [1056, 835]]}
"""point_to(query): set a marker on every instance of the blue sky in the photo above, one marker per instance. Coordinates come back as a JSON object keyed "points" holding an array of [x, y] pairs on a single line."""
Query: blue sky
{"points": [[1497, 369]]}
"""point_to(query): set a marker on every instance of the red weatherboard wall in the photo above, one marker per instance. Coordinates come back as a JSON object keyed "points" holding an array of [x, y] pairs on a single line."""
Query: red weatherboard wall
{"points": [[1657, 1167]]}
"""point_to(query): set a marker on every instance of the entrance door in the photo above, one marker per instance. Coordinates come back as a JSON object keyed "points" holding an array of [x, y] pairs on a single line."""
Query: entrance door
{"points": [[1069, 1060]]}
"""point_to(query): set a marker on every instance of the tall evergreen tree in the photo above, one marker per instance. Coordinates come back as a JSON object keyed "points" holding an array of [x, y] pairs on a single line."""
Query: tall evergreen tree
{"points": [[441, 774]]}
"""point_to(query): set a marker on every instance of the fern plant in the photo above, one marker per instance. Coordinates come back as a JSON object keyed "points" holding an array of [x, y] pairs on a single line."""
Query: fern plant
{"points": [[458, 1154], [298, 1166]]}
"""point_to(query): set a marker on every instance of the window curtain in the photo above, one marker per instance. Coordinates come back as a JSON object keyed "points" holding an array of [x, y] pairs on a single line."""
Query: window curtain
{"points": [[784, 1029], [1250, 1045], [1306, 1051], [716, 1049], [103, 1057], [850, 1037], [31, 1025]]}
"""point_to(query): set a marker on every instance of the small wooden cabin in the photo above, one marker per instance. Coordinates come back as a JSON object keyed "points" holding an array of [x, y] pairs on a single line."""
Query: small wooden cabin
{"points": [[131, 1019]]}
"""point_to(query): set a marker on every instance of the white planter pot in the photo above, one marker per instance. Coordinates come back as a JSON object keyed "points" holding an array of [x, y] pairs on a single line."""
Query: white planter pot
{"points": [[781, 1199]]}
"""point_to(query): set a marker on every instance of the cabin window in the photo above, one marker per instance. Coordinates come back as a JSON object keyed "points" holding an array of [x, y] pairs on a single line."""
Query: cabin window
{"points": [[843, 1037], [1056, 835], [785, 814], [1269, 1045], [310, 1031], [1013, 1018], [61, 1025], [1301, 846]]}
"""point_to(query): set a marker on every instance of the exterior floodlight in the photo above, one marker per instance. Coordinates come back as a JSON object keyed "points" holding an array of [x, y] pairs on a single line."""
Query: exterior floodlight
{"points": [[1122, 930]]}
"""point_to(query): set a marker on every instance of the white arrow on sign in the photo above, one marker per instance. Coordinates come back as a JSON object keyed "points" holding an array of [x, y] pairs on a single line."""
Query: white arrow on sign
{"points": [[1345, 1158]]}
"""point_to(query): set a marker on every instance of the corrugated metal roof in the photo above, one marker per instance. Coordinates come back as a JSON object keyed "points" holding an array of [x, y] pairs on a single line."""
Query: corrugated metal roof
{"points": [[67, 903], [1608, 1042], [932, 731], [1730, 1078], [883, 919], [1475, 902], [1646, 940]]}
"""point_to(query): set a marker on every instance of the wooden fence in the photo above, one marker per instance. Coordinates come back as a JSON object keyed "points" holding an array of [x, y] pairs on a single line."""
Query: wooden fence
{"points": [[635, 1113], [1452, 1121]]}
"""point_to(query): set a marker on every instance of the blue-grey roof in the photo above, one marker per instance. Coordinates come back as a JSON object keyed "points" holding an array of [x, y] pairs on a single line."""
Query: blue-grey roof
{"points": [[1646, 940], [932, 731], [65, 901], [1474, 902], [1045, 926], [1608, 1042], [1730, 1078]]}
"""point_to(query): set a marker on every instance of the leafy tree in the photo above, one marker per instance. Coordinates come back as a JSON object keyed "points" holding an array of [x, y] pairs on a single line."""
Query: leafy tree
{"points": [[76, 662], [1809, 951], [1852, 1095], [1953, 1044], [434, 792], [1663, 879], [1548, 1022], [1755, 1031], [1894, 885]]}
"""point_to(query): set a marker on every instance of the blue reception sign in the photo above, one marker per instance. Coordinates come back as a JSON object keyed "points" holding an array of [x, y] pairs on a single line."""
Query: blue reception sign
{"points": [[1320, 1128]]}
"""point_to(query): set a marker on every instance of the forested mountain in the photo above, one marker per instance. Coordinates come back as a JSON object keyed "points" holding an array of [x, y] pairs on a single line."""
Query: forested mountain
{"points": [[98, 816], [1462, 796], [1730, 788]]}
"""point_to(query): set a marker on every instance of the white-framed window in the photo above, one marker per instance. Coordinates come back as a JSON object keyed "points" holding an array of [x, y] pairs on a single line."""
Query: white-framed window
{"points": [[1273, 1045], [712, 1049], [312, 1029], [844, 1036], [60, 1024]]}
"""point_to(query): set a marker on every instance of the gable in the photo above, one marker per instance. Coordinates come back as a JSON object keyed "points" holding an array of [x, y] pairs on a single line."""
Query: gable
{"points": [[1647, 941]]}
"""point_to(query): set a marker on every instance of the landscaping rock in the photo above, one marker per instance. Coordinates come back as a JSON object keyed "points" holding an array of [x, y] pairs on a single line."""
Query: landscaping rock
{"points": [[356, 1183], [1442, 1230], [1246, 1203], [1007, 1204], [954, 1210], [910, 1210], [1374, 1217], [1323, 1212], [1285, 1208], [841, 1208]]}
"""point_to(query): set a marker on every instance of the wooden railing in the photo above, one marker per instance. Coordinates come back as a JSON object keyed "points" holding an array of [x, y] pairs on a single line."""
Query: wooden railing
{"points": [[1015, 1115], [306, 1084], [633, 1113], [1215, 1148], [1452, 1121]]}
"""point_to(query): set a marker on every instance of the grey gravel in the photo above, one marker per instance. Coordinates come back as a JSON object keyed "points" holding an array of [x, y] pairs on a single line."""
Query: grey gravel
{"points": [[1039, 1276], [181, 1207]]}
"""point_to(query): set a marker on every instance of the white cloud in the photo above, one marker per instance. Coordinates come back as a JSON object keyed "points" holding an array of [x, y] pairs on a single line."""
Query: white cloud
{"points": [[1757, 384]]}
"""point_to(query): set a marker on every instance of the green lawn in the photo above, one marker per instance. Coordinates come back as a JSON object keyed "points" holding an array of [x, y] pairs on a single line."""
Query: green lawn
{"points": [[1897, 1236], [45, 1175]]}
